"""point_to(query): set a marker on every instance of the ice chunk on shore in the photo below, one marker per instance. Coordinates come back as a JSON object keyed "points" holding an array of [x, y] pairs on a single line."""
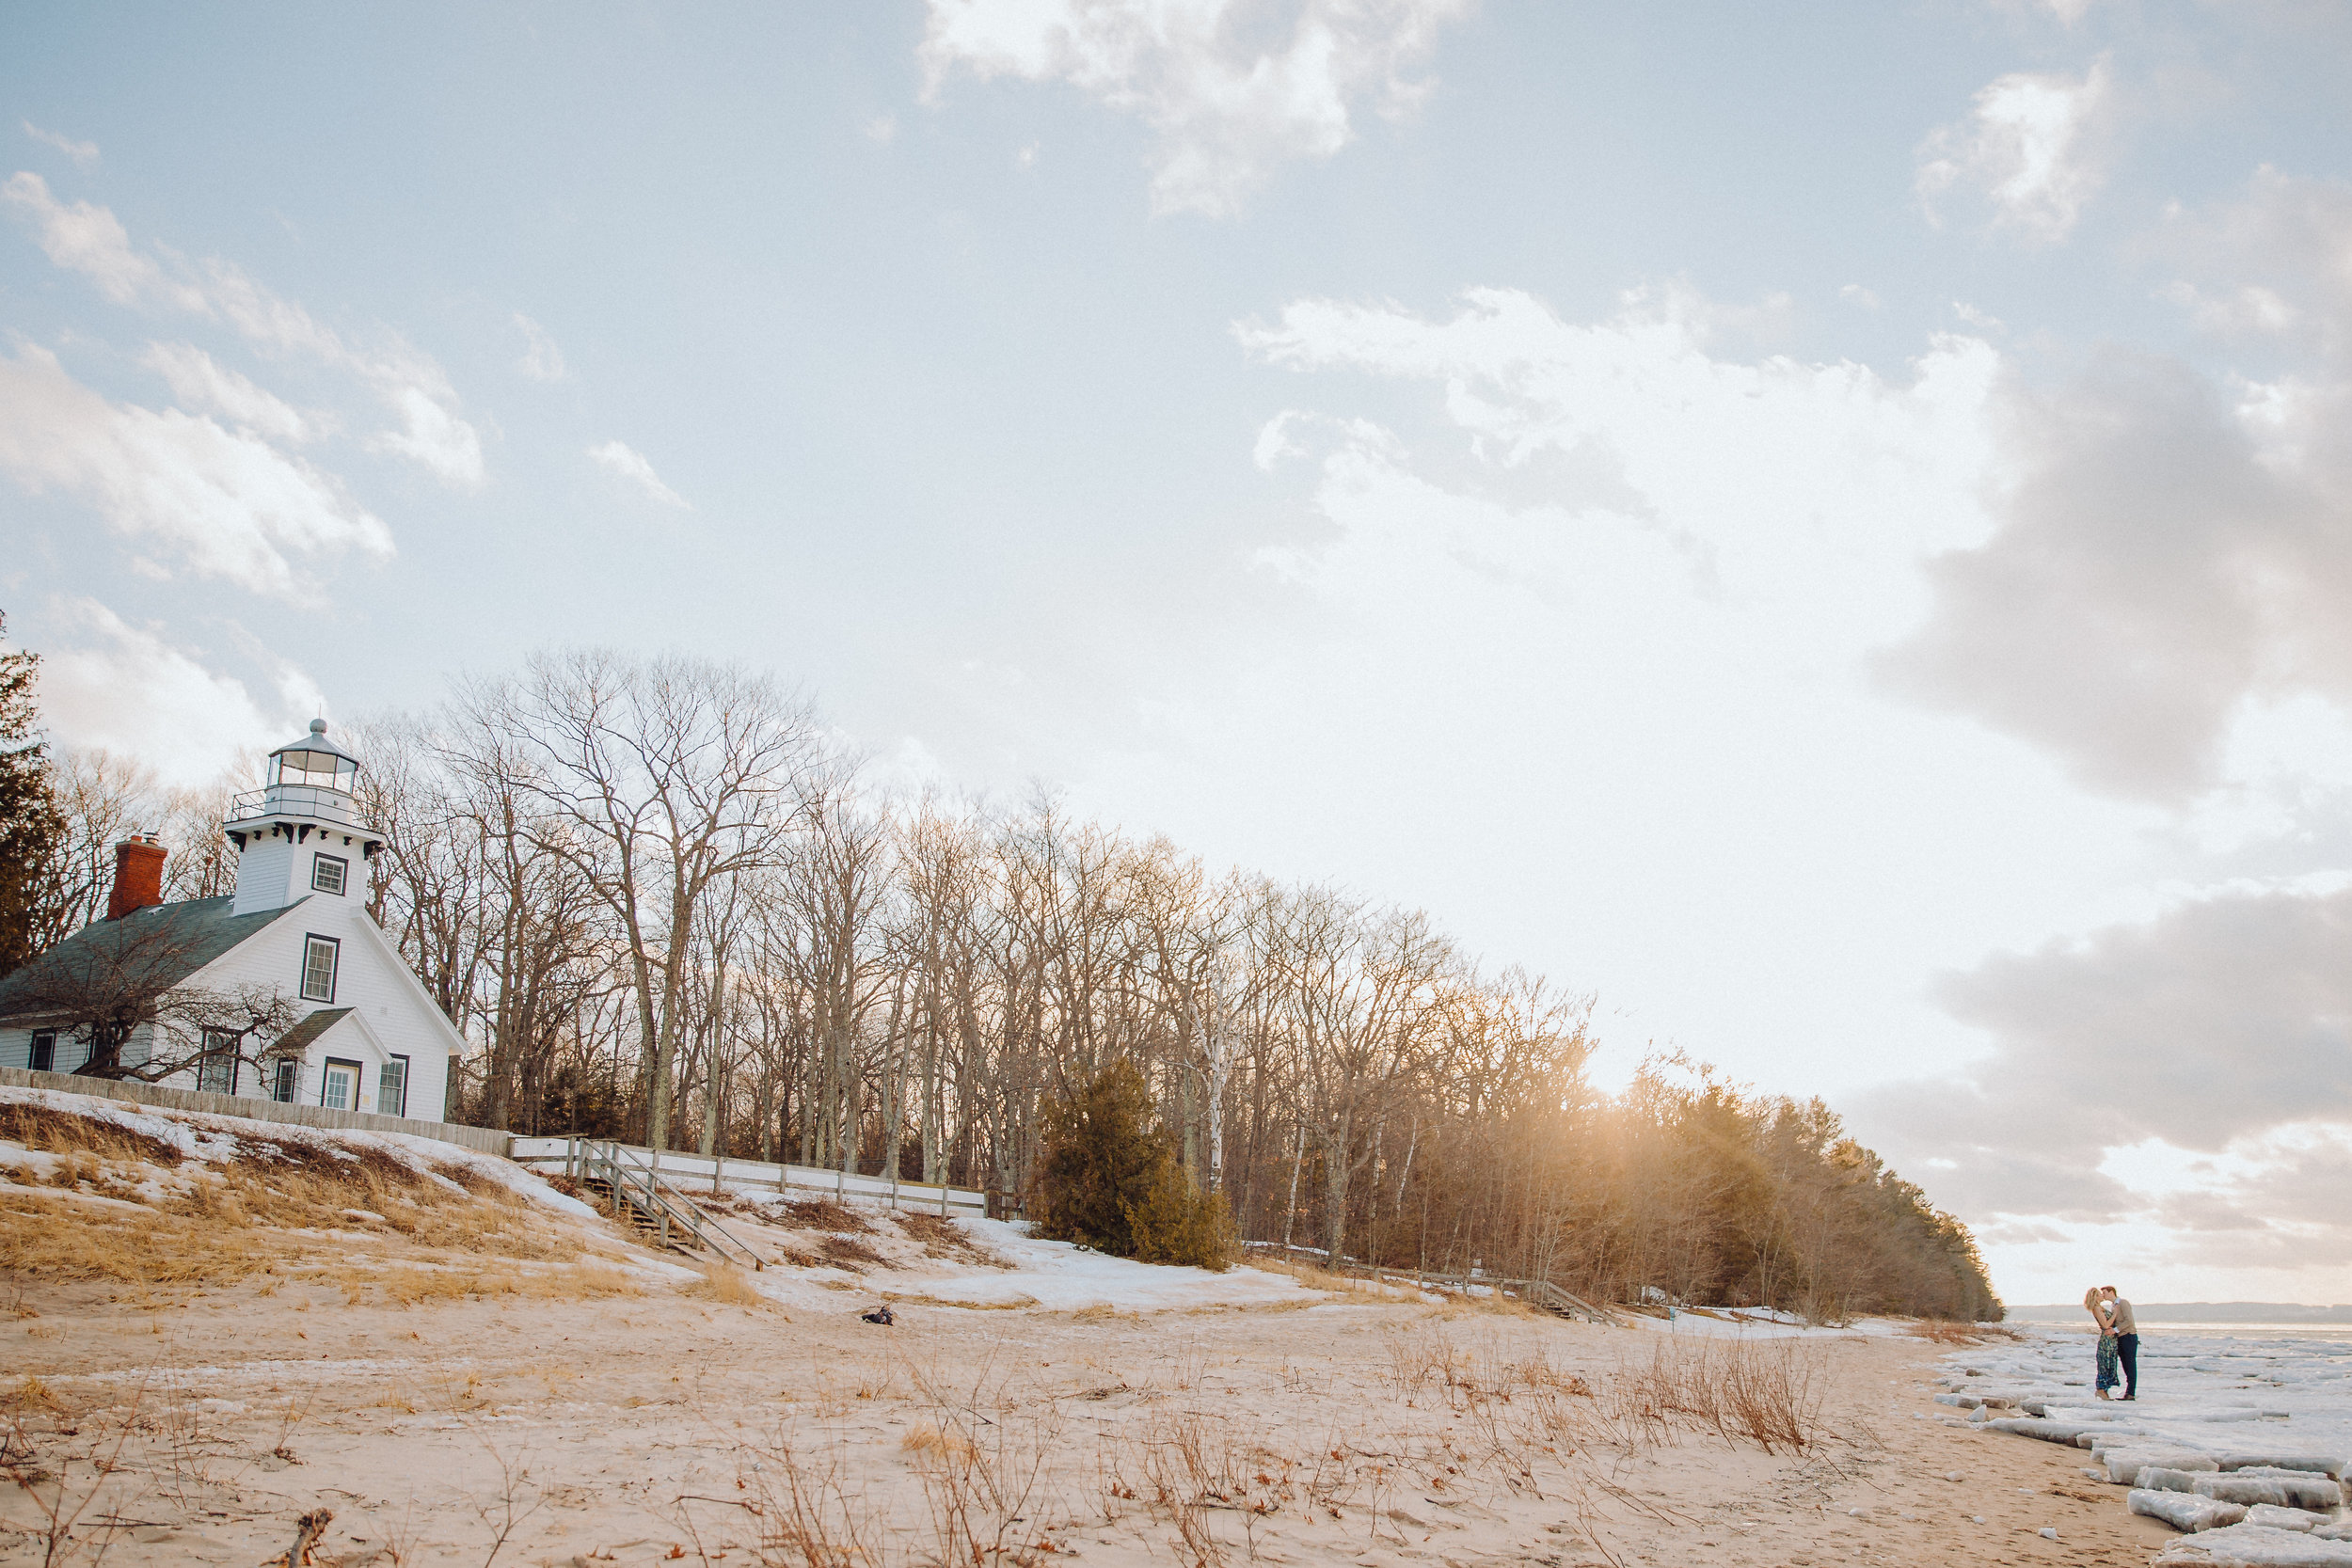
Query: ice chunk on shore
{"points": [[2283, 1489], [2131, 1466], [2183, 1511], [2256, 1546], [2279, 1488], [2282, 1518], [2331, 1468], [2029, 1426]]}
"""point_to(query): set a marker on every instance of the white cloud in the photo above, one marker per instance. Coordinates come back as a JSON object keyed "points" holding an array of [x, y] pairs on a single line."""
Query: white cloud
{"points": [[92, 240], [2034, 147], [2166, 554], [2187, 1078], [82, 153], [626, 461], [1233, 90], [432, 435], [2275, 262], [128, 690], [223, 504], [89, 240], [198, 383], [881, 129], [542, 359]]}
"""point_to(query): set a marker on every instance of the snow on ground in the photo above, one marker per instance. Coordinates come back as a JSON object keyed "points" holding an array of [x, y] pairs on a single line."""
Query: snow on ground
{"points": [[1005, 1266], [206, 1140], [1058, 1275]]}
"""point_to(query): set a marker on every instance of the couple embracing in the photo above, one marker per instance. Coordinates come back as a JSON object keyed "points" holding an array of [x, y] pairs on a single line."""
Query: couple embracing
{"points": [[2119, 1341]]}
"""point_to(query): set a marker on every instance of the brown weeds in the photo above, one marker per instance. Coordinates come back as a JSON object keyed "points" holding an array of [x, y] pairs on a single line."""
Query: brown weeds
{"points": [[1764, 1392], [847, 1252], [942, 1238], [816, 1213], [726, 1285], [805, 1513], [55, 1132], [1938, 1331]]}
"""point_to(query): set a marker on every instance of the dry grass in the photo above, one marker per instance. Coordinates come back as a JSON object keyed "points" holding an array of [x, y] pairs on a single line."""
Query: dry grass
{"points": [[1104, 1312], [182, 1223], [31, 1393], [1768, 1393], [1938, 1331], [415, 1286], [805, 1513], [816, 1213], [55, 1132], [49, 1237], [728, 1286], [909, 1298], [847, 1252], [942, 1238], [1315, 1278], [928, 1439]]}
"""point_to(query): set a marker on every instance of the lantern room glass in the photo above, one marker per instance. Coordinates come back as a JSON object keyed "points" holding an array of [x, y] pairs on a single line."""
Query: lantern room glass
{"points": [[318, 770]]}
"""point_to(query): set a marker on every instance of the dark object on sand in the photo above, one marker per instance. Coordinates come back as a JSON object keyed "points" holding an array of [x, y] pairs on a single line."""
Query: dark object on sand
{"points": [[878, 1315], [309, 1531]]}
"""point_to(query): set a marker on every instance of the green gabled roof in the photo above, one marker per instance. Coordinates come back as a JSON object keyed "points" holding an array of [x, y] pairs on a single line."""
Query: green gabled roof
{"points": [[169, 941]]}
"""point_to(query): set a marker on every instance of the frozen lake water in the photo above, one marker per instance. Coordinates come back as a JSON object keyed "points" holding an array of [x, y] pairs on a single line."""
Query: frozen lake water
{"points": [[2211, 1388]]}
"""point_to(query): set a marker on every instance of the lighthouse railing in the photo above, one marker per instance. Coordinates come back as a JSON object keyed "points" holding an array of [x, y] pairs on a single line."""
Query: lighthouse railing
{"points": [[281, 799]]}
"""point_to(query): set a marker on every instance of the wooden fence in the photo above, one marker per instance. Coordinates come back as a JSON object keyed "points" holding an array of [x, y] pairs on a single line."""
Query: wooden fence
{"points": [[717, 1173]]}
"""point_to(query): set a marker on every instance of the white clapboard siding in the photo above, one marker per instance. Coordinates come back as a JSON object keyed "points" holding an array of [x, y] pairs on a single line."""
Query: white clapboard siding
{"points": [[704, 1173]]}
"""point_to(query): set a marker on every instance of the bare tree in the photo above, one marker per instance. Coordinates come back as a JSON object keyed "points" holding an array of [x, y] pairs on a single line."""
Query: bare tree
{"points": [[102, 799], [130, 982], [667, 777]]}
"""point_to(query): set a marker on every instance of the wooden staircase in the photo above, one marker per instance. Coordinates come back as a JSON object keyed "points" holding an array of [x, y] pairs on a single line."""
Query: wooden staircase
{"points": [[655, 1210], [1542, 1294]]}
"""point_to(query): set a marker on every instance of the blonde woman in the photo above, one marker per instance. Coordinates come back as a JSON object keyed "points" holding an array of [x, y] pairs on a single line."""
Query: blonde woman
{"points": [[2110, 1372]]}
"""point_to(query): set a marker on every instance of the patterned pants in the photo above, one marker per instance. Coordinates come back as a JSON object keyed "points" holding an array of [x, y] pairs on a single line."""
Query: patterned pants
{"points": [[2110, 1370]]}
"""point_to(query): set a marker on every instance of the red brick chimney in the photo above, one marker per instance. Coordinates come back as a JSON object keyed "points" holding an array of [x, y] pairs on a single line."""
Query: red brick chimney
{"points": [[138, 875]]}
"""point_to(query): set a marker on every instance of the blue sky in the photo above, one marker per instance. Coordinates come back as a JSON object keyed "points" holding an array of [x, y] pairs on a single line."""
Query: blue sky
{"points": [[1826, 526]]}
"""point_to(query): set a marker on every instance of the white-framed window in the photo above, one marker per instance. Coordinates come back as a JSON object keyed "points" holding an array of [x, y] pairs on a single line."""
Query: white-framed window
{"points": [[328, 873], [338, 1086], [392, 1087], [286, 1079], [44, 1052], [216, 1069], [320, 957]]}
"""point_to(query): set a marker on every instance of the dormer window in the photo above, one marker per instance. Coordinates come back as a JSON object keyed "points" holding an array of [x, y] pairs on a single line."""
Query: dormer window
{"points": [[328, 873]]}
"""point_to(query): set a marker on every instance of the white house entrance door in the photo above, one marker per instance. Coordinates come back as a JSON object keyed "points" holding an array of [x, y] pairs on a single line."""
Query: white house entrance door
{"points": [[341, 1088]]}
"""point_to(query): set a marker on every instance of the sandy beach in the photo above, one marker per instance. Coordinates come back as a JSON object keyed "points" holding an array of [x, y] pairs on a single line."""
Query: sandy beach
{"points": [[667, 1428]]}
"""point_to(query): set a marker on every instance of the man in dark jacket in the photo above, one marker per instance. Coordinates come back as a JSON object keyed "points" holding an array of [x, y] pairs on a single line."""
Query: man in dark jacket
{"points": [[2127, 1339]]}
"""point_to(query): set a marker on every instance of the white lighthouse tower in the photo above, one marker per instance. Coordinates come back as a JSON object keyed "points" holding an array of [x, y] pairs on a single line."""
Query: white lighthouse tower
{"points": [[300, 833]]}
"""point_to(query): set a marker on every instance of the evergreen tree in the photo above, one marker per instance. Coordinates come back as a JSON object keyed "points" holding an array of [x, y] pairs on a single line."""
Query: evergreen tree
{"points": [[1109, 1178], [30, 822]]}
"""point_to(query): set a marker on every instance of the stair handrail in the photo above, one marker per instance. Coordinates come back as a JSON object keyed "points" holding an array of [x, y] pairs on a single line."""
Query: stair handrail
{"points": [[640, 1183], [1542, 1292]]}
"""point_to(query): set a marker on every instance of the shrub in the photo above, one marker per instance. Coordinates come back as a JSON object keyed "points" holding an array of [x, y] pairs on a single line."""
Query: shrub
{"points": [[1172, 1224]]}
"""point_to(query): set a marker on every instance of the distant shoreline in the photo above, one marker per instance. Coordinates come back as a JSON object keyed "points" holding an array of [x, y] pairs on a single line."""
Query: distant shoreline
{"points": [[2199, 1312]]}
